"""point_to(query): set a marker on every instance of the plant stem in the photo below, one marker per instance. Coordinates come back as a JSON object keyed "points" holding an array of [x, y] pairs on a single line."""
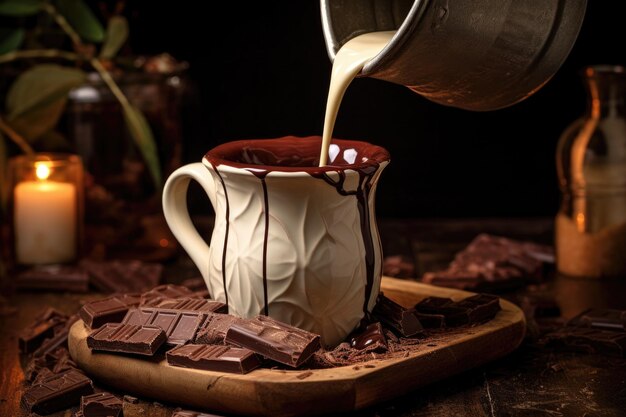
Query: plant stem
{"points": [[62, 22], [16, 137], [39, 53], [110, 82]]}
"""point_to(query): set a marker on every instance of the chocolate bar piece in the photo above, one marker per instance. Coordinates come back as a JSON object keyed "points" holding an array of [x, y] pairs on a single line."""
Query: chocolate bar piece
{"points": [[56, 392], [214, 329], [58, 340], [478, 308], [607, 319], [195, 304], [472, 310], [218, 358], [101, 404], [54, 278], [123, 276], [42, 328], [401, 319], [587, 340], [188, 413], [127, 338], [108, 310], [373, 338], [180, 326], [495, 263], [428, 312], [274, 340], [158, 294]]}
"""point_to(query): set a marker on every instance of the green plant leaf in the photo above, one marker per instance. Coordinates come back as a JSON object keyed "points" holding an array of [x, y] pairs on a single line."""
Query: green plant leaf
{"points": [[82, 19], [19, 7], [116, 35], [142, 135], [32, 125], [10, 39], [41, 86]]}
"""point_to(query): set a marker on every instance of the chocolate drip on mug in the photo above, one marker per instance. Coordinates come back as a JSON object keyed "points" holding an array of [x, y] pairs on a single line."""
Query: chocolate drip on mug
{"points": [[362, 194], [261, 174], [225, 233]]}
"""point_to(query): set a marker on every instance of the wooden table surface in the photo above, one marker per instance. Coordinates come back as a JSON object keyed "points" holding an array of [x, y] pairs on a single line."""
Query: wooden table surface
{"points": [[530, 382]]}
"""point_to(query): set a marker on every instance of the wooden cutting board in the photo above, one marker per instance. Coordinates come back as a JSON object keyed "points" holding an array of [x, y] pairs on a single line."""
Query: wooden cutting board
{"points": [[274, 392]]}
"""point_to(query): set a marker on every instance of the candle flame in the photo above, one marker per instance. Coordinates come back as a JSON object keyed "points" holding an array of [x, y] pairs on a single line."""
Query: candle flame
{"points": [[42, 170]]}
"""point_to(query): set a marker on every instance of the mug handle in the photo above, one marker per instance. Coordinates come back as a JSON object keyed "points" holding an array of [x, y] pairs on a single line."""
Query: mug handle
{"points": [[177, 215]]}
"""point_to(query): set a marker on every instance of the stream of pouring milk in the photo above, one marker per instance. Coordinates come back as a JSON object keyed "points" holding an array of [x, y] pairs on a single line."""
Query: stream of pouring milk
{"points": [[349, 61]]}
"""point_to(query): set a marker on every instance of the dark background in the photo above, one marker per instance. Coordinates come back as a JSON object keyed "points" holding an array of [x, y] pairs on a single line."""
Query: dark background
{"points": [[260, 70]]}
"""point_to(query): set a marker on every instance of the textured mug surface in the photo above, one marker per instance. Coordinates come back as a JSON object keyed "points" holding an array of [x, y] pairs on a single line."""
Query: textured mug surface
{"points": [[291, 240]]}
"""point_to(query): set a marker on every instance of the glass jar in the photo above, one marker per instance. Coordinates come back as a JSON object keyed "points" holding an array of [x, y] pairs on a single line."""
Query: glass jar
{"points": [[590, 229]]}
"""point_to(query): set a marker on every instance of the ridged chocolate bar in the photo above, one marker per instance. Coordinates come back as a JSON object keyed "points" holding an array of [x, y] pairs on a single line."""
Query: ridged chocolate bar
{"points": [[607, 319], [163, 292], [56, 392], [214, 329], [123, 276], [218, 358], [195, 304], [54, 278], [108, 310], [127, 338], [101, 404], [42, 328], [403, 320], [274, 340], [180, 326]]}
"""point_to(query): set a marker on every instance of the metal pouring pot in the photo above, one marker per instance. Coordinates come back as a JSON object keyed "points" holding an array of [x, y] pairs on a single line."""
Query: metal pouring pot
{"points": [[471, 54]]}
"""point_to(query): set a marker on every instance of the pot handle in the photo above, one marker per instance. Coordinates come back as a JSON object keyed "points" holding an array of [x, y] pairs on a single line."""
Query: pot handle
{"points": [[177, 215]]}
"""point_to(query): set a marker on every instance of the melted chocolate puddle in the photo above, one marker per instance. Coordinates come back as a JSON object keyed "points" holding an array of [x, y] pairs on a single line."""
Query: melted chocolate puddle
{"points": [[286, 155]]}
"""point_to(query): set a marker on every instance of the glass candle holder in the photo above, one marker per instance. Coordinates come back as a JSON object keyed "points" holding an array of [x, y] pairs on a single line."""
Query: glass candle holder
{"points": [[46, 208]]}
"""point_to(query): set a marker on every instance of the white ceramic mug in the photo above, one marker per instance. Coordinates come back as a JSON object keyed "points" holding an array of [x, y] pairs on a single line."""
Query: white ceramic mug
{"points": [[291, 240]]}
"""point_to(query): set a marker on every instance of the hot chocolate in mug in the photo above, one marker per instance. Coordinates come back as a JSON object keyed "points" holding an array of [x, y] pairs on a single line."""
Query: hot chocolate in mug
{"points": [[291, 240]]}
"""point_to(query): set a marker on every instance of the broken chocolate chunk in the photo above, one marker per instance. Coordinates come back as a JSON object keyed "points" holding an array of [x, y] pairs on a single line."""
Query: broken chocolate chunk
{"points": [[123, 276], [214, 329], [403, 320], [218, 358], [108, 310], [127, 338], [274, 340], [56, 392], [101, 404]]}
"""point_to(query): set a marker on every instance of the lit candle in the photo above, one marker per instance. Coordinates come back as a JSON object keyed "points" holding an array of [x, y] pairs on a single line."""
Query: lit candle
{"points": [[45, 214]]}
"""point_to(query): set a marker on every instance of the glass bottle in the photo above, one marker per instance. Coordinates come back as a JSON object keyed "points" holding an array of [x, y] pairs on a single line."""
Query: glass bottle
{"points": [[590, 229]]}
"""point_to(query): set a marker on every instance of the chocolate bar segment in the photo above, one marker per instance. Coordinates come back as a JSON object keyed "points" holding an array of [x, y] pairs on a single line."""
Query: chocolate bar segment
{"points": [[214, 329], [587, 340], [56, 392], [274, 340], [472, 310], [42, 328], [401, 319], [54, 278], [180, 326], [158, 294], [58, 340], [477, 309], [127, 338], [101, 404], [494, 262], [607, 319], [218, 358], [195, 304], [108, 310], [123, 276]]}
